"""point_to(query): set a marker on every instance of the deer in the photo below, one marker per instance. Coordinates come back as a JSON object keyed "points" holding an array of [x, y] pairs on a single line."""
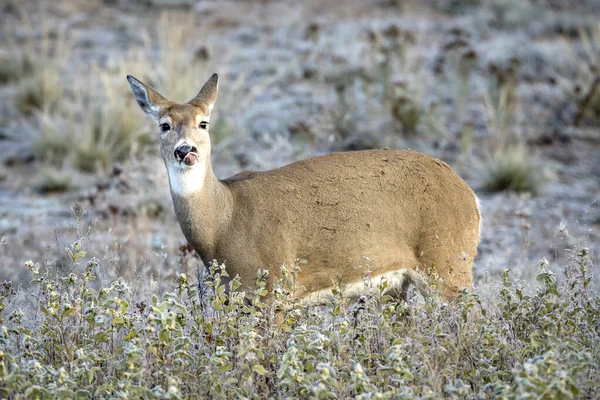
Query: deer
{"points": [[408, 212]]}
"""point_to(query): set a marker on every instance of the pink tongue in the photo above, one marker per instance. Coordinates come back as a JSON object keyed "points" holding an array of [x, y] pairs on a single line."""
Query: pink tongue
{"points": [[189, 159]]}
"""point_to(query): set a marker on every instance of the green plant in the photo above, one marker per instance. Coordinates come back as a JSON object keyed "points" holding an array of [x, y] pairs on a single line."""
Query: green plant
{"points": [[79, 337]]}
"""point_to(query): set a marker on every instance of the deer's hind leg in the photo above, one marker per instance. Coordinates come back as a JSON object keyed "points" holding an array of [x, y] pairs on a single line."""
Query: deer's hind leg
{"points": [[454, 266]]}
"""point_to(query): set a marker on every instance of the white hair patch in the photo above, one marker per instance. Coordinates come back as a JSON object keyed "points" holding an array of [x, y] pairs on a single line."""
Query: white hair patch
{"points": [[396, 281], [185, 180]]}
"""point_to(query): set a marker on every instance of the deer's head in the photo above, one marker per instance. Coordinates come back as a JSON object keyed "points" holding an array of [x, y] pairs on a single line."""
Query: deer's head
{"points": [[183, 129]]}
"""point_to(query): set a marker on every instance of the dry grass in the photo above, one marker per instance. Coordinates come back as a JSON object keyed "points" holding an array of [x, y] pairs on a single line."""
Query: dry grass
{"points": [[109, 133], [577, 77], [54, 180], [507, 164], [92, 124], [42, 91], [51, 138], [42, 62], [14, 65], [513, 169], [588, 73]]}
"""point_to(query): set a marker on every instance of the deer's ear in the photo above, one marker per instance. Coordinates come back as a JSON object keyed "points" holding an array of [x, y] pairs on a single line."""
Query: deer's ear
{"points": [[208, 94], [149, 99]]}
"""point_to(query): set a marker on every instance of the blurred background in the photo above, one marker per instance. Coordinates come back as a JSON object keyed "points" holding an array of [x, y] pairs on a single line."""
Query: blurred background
{"points": [[506, 91]]}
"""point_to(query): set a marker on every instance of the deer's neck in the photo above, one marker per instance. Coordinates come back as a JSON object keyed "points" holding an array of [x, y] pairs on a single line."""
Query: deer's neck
{"points": [[202, 205]]}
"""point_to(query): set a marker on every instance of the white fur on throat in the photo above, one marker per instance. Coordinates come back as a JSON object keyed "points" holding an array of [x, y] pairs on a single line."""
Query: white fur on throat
{"points": [[185, 180]]}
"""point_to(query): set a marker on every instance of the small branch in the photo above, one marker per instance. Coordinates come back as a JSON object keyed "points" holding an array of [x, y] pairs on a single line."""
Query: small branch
{"points": [[200, 274], [62, 266]]}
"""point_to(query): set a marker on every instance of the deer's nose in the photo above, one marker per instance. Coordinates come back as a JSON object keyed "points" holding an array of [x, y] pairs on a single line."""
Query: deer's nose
{"points": [[183, 150]]}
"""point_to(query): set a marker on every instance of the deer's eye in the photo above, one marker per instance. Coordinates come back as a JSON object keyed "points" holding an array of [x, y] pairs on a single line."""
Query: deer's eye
{"points": [[164, 127], [203, 125]]}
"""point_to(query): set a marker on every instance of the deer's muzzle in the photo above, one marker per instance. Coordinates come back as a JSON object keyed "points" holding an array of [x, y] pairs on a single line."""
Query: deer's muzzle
{"points": [[186, 153]]}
